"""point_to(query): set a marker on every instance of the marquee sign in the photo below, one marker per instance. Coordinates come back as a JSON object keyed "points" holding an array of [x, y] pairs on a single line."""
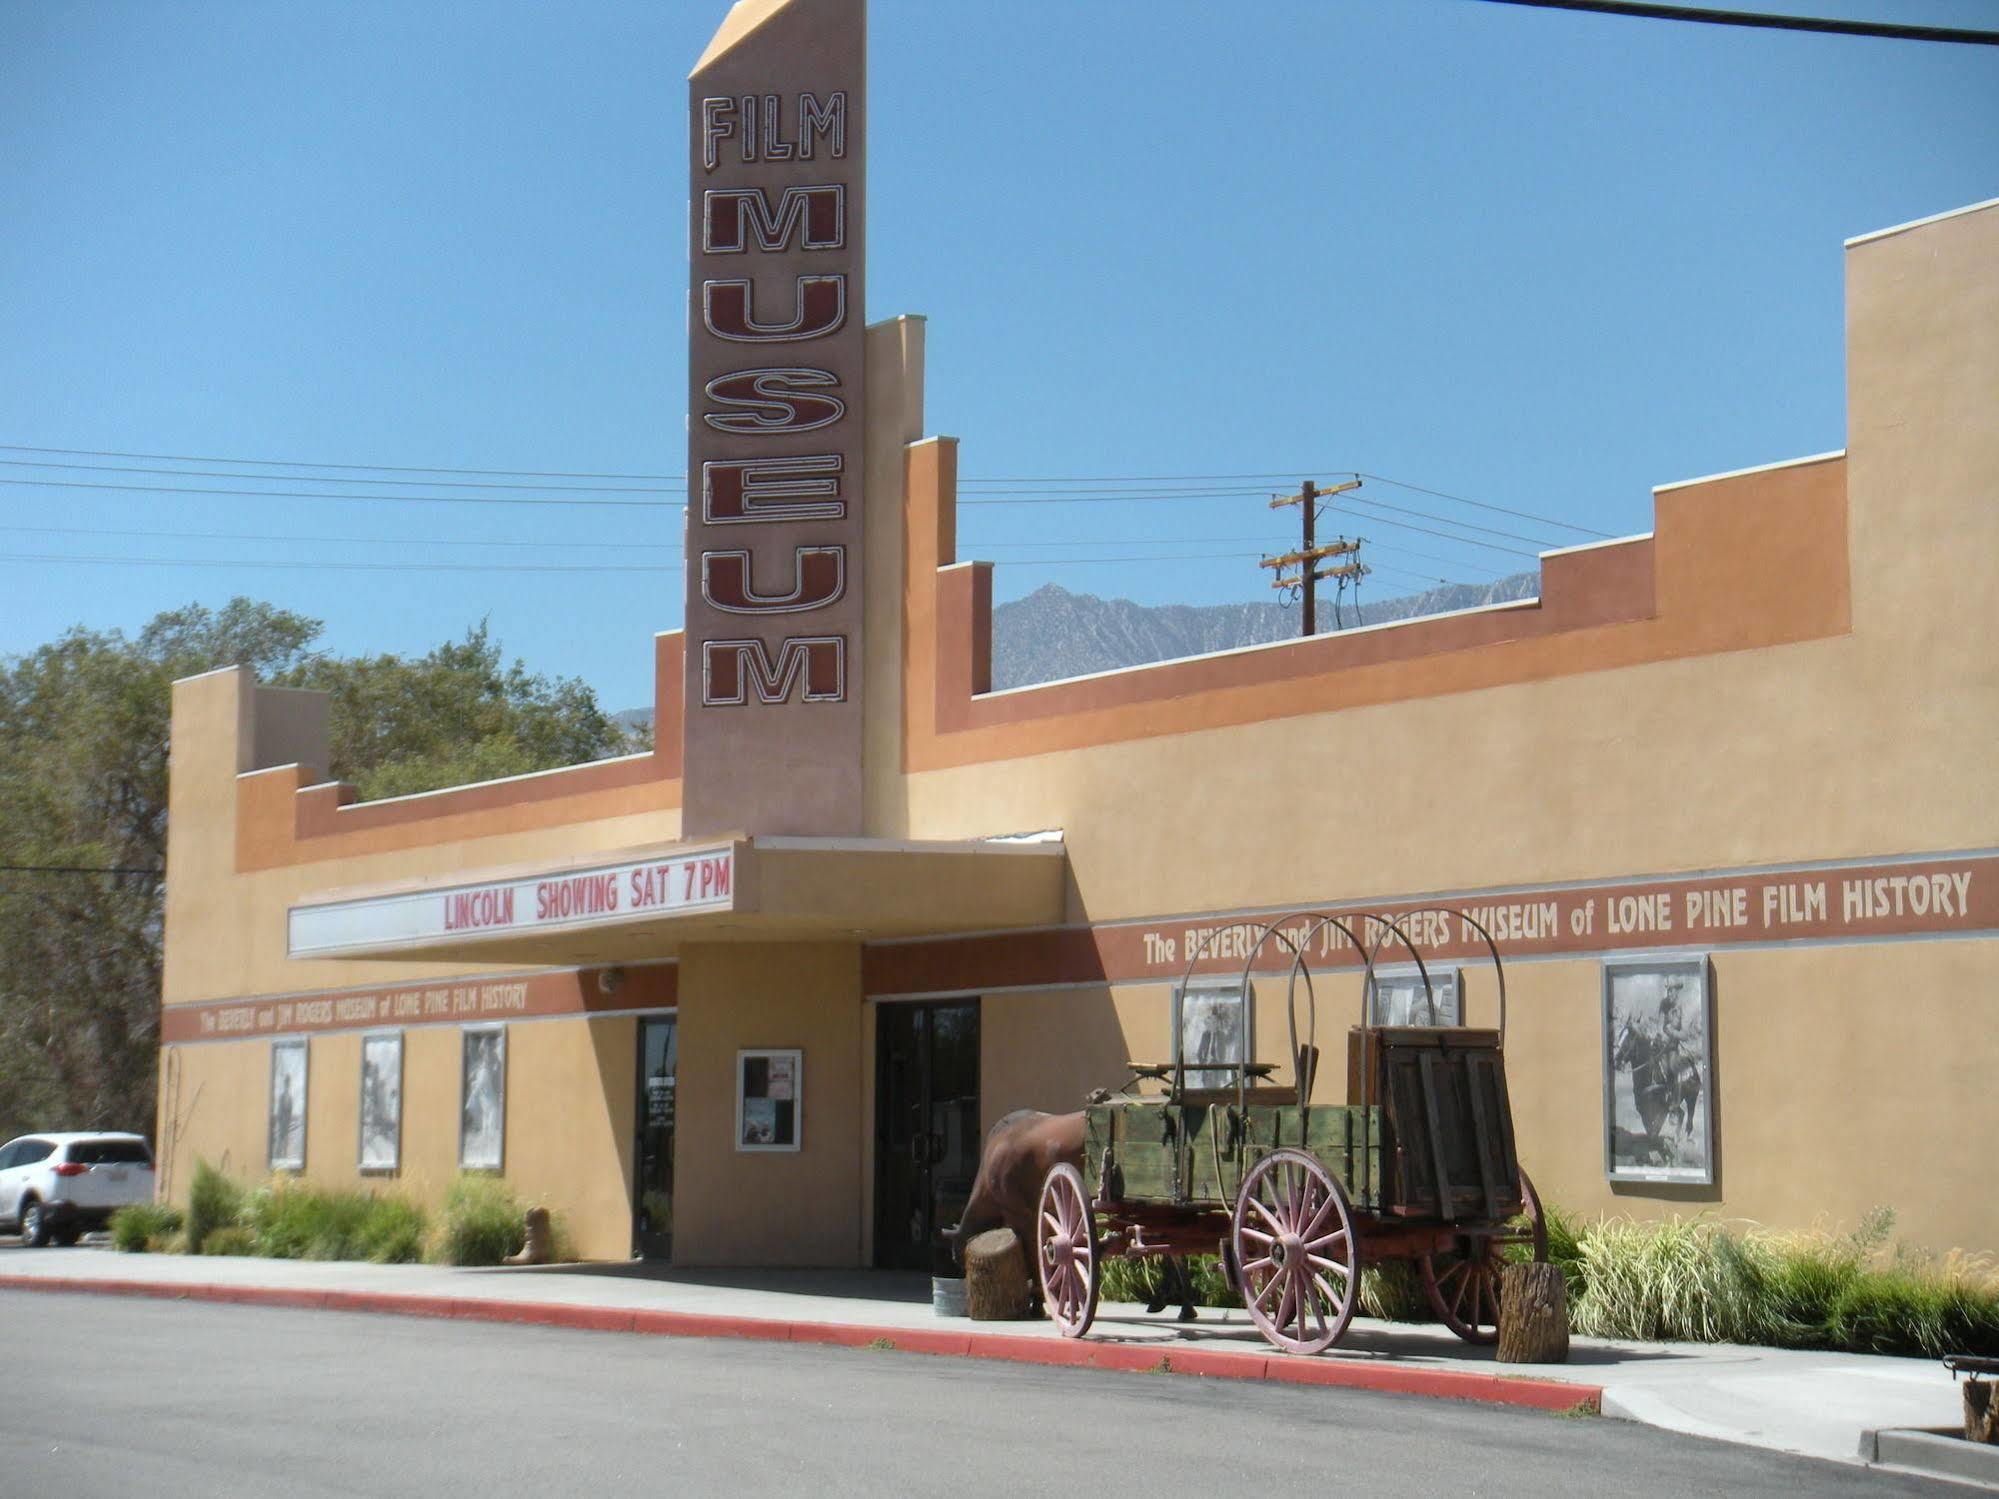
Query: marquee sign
{"points": [[700, 881], [773, 729]]}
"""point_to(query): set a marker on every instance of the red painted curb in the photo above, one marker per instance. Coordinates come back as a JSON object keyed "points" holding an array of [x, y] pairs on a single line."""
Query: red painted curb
{"points": [[708, 1325], [1137, 1358]]}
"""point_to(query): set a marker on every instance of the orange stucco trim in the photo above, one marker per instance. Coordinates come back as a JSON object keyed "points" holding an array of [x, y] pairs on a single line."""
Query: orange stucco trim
{"points": [[284, 817], [1735, 563]]}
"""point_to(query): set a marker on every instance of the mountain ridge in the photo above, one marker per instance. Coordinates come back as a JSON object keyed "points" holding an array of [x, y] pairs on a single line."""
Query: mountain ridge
{"points": [[1052, 633]]}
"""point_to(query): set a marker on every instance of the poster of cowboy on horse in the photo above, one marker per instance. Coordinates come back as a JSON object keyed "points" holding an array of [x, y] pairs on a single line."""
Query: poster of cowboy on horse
{"points": [[1658, 1071]]}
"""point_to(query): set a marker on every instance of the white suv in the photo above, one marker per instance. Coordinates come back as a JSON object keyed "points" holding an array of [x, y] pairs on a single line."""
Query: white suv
{"points": [[59, 1187]]}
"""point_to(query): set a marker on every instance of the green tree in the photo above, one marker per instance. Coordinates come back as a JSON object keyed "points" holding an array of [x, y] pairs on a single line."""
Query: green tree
{"points": [[456, 715], [83, 784]]}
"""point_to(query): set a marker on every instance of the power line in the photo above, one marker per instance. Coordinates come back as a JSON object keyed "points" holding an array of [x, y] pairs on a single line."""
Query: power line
{"points": [[1110, 498], [972, 545], [1145, 478], [1080, 561], [394, 541], [379, 468], [1462, 525], [1545, 520], [1396, 551], [1467, 541], [324, 566], [1886, 30], [1112, 541], [297, 494], [208, 473]]}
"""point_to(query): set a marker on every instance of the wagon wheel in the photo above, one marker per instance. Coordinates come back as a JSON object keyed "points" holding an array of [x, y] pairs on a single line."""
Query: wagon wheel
{"points": [[1463, 1285], [1067, 1251], [1296, 1252]]}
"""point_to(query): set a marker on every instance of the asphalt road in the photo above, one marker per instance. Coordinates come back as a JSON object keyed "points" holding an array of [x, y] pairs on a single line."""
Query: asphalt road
{"points": [[115, 1397]]}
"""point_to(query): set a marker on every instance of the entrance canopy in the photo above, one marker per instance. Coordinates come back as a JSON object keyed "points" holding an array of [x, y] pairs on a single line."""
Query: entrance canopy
{"points": [[645, 902]]}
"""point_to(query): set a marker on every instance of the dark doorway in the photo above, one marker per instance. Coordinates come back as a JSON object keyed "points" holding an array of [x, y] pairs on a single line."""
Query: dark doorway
{"points": [[926, 1129], [652, 1188]]}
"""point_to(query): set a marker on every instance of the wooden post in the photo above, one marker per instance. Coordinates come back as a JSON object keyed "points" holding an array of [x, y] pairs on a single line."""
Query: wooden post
{"points": [[1533, 1315], [996, 1285], [1981, 1412]]}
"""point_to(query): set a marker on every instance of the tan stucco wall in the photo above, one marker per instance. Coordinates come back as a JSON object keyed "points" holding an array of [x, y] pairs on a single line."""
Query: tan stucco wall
{"points": [[1839, 1067], [570, 1096], [769, 1208], [1873, 742], [1828, 1065]]}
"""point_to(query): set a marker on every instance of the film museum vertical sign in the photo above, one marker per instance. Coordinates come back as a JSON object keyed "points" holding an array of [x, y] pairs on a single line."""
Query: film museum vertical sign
{"points": [[773, 732]]}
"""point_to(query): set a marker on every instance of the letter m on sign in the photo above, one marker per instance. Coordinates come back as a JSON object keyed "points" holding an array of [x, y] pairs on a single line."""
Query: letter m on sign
{"points": [[814, 666], [732, 217]]}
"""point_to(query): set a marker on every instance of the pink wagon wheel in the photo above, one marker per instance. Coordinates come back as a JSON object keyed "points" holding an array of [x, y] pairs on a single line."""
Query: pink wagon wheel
{"points": [[1298, 1255], [1463, 1285], [1067, 1251]]}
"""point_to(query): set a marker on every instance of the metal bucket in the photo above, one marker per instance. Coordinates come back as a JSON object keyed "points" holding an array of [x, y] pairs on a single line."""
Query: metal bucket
{"points": [[947, 1295]]}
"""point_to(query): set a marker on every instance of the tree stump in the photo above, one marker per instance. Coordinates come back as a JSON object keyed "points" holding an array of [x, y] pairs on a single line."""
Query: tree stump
{"points": [[1533, 1315], [996, 1284], [1981, 1412]]}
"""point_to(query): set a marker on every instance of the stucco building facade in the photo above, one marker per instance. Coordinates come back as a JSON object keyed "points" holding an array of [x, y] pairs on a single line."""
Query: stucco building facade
{"points": [[760, 990]]}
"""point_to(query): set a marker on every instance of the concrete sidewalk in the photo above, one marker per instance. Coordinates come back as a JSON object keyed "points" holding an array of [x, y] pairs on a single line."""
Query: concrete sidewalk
{"points": [[1815, 1404]]}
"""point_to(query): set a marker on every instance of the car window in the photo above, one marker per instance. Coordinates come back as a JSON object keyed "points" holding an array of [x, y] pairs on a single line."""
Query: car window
{"points": [[7, 1153], [27, 1152], [111, 1153]]}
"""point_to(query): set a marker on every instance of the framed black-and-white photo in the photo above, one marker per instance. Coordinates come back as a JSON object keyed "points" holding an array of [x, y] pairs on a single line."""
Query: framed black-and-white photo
{"points": [[769, 1099], [1399, 997], [287, 1117], [1211, 1023], [381, 1101], [1658, 1070], [482, 1099]]}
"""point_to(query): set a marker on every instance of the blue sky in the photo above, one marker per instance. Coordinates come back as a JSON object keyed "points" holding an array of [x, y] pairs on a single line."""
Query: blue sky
{"points": [[1537, 259]]}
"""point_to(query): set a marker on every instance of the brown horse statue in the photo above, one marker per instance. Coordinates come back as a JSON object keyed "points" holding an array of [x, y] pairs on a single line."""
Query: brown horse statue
{"points": [[1020, 1151]]}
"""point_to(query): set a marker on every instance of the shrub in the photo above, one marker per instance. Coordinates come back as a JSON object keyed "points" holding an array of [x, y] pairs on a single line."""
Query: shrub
{"points": [[213, 1201], [1393, 1291], [144, 1226], [1139, 1280], [292, 1221], [1698, 1281], [1672, 1279], [482, 1223], [392, 1232], [231, 1238]]}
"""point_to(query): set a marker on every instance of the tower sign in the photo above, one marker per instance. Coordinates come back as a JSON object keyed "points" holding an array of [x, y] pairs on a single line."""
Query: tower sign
{"points": [[774, 734]]}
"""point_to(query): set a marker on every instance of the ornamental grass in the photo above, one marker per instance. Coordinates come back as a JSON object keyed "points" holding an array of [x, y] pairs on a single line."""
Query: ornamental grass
{"points": [[1702, 1281], [482, 1223], [144, 1227]]}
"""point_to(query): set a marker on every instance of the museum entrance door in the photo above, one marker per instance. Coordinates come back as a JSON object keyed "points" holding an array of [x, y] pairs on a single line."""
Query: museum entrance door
{"points": [[652, 1153], [926, 1129]]}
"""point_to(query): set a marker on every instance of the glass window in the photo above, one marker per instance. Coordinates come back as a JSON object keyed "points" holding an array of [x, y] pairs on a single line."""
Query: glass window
{"points": [[111, 1153], [381, 1101], [1415, 997], [1211, 1023], [287, 1116], [482, 1100], [28, 1152]]}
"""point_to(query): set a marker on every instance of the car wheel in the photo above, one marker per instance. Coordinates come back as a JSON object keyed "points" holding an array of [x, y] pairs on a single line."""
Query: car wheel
{"points": [[34, 1225]]}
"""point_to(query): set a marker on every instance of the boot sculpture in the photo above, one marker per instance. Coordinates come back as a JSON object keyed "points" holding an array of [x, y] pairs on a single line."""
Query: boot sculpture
{"points": [[535, 1247]]}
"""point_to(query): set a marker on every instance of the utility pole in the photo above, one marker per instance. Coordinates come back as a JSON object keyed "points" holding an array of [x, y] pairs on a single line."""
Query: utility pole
{"points": [[1310, 554]]}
